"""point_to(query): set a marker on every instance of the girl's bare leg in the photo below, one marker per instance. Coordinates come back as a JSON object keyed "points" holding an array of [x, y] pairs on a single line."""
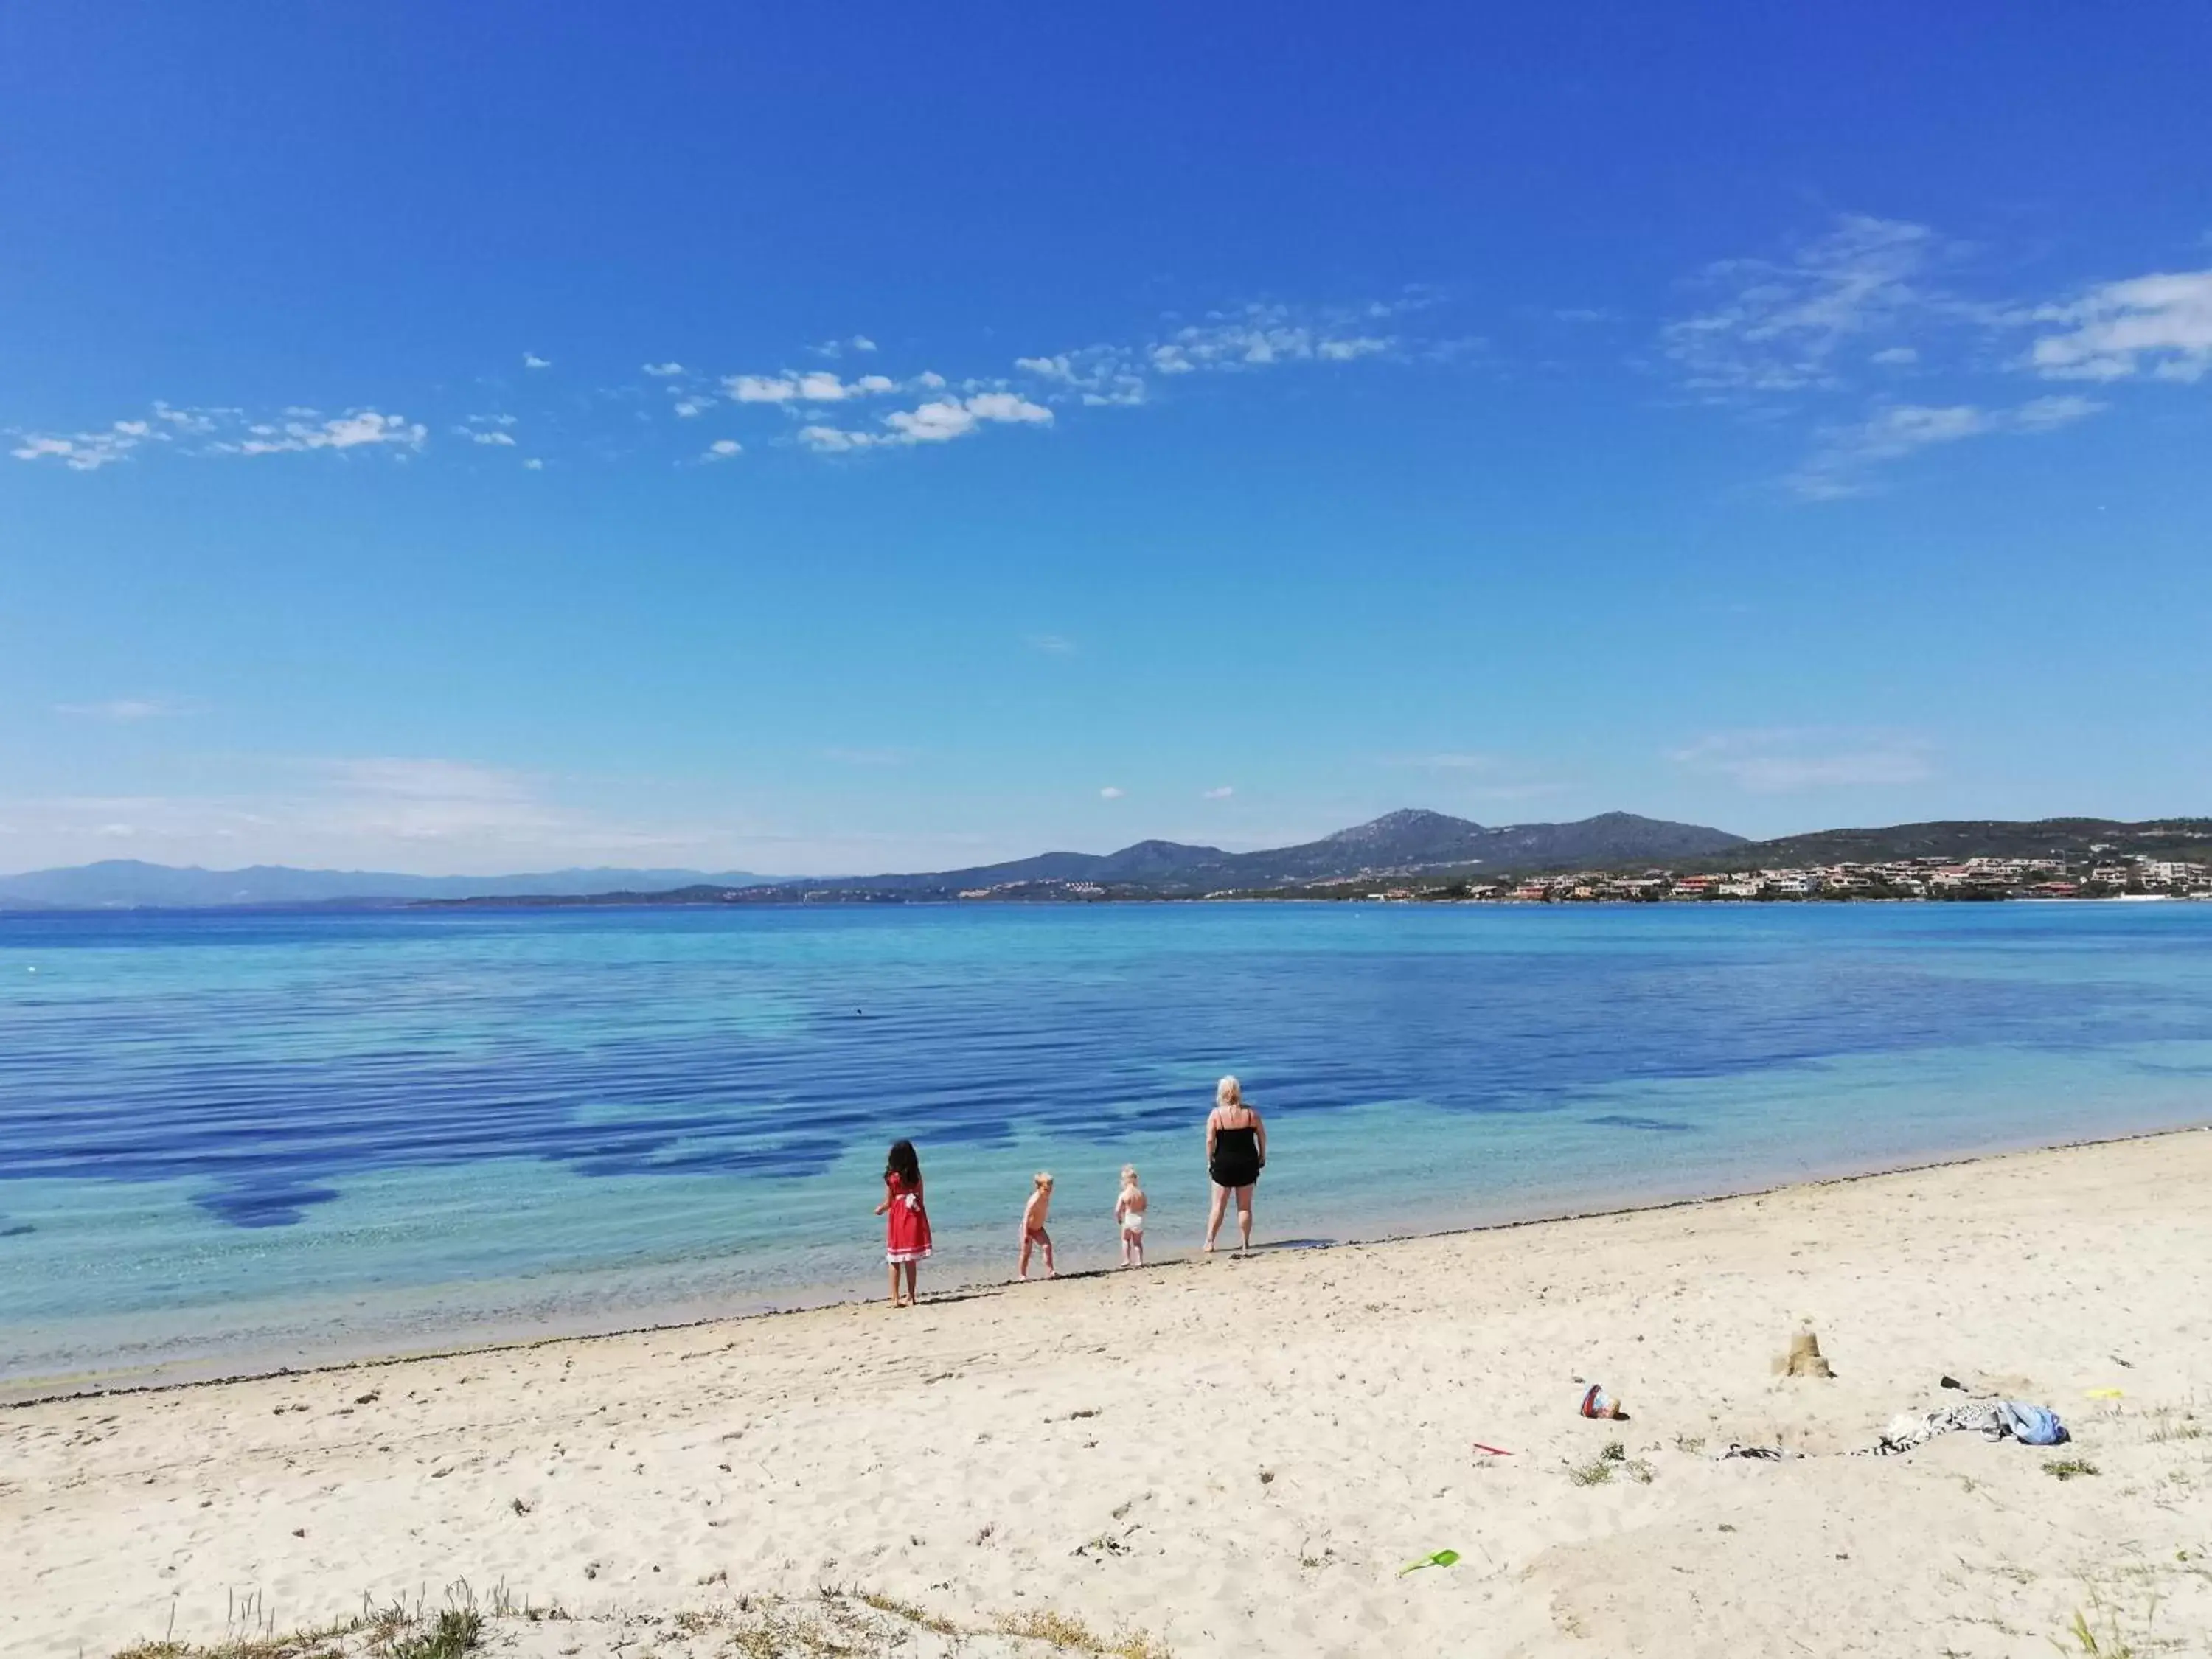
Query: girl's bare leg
{"points": [[1214, 1221], [913, 1298], [1023, 1271], [1137, 1248], [1050, 1272], [895, 1284], [1244, 1214]]}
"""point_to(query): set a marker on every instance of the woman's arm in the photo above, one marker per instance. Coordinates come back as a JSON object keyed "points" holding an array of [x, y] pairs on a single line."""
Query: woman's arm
{"points": [[1213, 1123], [1260, 1134]]}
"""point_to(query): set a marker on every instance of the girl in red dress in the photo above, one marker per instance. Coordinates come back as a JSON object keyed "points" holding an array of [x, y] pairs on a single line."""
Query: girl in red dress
{"points": [[907, 1239]]}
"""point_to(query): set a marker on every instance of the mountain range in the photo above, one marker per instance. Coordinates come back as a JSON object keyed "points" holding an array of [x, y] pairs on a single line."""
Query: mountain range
{"points": [[127, 883], [1402, 843]]}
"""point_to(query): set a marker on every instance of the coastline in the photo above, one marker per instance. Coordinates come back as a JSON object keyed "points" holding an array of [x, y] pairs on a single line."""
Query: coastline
{"points": [[1240, 1455], [510, 1333]]}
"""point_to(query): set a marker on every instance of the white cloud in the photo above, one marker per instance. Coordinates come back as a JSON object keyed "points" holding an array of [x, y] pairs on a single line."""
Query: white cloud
{"points": [[86, 452], [722, 449], [1787, 760], [532, 360], [1223, 794], [1838, 466], [861, 343], [663, 371], [2160, 325], [817, 386], [122, 710], [1053, 645], [1782, 324], [1895, 357], [533, 465], [687, 407], [350, 431], [2048, 414], [1109, 793], [939, 421], [496, 438]]}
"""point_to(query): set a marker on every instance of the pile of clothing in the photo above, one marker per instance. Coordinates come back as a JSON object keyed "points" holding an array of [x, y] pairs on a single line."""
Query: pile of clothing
{"points": [[1993, 1419]]}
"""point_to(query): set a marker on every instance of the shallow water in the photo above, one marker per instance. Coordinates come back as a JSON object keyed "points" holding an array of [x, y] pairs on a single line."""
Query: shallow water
{"points": [[269, 1137]]}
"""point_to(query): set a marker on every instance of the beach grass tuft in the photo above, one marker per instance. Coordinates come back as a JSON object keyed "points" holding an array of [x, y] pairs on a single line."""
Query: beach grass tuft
{"points": [[1074, 1636], [2070, 1468]]}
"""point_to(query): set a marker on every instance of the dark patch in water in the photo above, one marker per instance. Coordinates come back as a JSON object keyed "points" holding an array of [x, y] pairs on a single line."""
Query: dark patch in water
{"points": [[264, 1206], [1629, 1120], [17, 1231]]}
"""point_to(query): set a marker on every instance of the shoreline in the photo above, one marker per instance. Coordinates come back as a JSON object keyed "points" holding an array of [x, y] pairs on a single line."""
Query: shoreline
{"points": [[461, 1344]]}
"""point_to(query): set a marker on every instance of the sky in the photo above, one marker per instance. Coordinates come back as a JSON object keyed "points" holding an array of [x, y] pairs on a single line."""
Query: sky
{"points": [[825, 439]]}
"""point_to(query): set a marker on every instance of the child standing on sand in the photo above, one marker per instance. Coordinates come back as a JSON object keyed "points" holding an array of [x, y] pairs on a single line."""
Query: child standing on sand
{"points": [[1033, 1217], [1129, 1211], [907, 1233]]}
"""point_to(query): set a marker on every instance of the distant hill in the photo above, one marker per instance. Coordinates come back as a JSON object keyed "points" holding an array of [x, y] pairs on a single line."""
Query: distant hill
{"points": [[1398, 844], [127, 883]]}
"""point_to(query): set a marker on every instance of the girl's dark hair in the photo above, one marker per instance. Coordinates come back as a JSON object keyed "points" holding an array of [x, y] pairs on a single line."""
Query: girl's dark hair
{"points": [[903, 1163]]}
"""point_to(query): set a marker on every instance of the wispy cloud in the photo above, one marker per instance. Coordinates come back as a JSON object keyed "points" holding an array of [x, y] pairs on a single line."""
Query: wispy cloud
{"points": [[1840, 467], [723, 449], [532, 360], [1221, 794], [2159, 325], [869, 756], [122, 708], [83, 452], [663, 371], [1450, 762], [350, 431], [224, 432], [1779, 325], [1053, 645], [1111, 793], [1785, 760]]}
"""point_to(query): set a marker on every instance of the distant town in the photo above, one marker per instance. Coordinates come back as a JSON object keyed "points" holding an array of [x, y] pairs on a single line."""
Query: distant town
{"points": [[1937, 879]]}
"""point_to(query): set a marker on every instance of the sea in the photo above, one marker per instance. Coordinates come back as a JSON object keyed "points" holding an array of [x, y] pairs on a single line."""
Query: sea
{"points": [[236, 1142]]}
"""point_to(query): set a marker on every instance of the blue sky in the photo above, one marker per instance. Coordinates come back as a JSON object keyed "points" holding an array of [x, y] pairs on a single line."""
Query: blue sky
{"points": [[813, 438]]}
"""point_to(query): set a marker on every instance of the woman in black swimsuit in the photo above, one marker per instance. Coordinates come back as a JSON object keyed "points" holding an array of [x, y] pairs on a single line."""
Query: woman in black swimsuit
{"points": [[1236, 1152]]}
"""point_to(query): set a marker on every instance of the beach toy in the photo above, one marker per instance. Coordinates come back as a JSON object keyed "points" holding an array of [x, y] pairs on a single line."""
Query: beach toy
{"points": [[1440, 1559], [1495, 1451], [2104, 1394], [1596, 1402]]}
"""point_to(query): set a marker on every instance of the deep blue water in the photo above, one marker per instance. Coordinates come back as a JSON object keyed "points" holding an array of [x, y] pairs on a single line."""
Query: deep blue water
{"points": [[277, 1133]]}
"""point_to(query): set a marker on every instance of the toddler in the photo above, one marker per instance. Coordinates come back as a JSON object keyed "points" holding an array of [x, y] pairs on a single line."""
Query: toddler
{"points": [[1129, 1211], [1033, 1218]]}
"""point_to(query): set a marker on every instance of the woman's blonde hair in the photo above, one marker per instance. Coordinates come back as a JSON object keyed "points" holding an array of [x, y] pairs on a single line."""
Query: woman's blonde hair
{"points": [[1228, 1092], [1129, 1174], [1044, 1177]]}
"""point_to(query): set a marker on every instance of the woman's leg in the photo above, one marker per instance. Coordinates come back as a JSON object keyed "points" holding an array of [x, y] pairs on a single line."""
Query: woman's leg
{"points": [[895, 1282], [1213, 1218], [1244, 1214]]}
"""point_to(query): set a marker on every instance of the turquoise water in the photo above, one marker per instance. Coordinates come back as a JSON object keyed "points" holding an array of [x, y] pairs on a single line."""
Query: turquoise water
{"points": [[261, 1138]]}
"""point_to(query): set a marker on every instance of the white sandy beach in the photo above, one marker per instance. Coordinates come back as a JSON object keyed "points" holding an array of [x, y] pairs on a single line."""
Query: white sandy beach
{"points": [[1237, 1456]]}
